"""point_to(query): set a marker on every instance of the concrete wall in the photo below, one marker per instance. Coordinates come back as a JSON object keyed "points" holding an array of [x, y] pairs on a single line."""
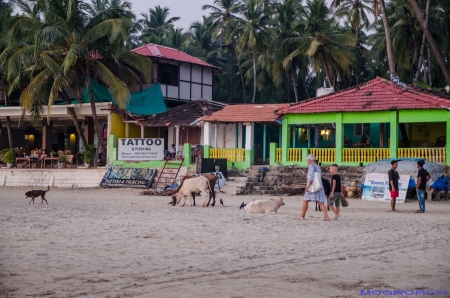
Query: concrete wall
{"points": [[67, 178]]}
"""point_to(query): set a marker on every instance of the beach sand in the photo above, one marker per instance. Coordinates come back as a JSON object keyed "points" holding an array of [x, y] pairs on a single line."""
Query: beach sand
{"points": [[115, 243]]}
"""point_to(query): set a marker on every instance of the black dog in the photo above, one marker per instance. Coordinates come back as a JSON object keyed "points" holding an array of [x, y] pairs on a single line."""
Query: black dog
{"points": [[36, 193]]}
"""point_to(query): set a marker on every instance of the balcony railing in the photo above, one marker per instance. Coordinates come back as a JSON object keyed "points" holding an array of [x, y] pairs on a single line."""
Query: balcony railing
{"points": [[231, 154], [324, 155], [430, 154], [364, 154]]}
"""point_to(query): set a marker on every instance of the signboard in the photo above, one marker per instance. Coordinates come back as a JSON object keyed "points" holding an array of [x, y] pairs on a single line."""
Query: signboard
{"points": [[220, 179], [141, 149], [376, 188], [128, 177]]}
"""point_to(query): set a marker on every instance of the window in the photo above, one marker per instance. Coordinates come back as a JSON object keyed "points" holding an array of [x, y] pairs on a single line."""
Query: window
{"points": [[168, 74], [362, 129], [190, 135]]}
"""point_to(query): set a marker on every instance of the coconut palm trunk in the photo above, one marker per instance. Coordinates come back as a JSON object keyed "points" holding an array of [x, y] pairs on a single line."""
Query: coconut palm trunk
{"points": [[388, 39], [325, 68], [422, 47], [75, 120], [254, 78], [430, 40], [295, 85], [240, 71], [8, 128], [93, 109], [78, 127]]}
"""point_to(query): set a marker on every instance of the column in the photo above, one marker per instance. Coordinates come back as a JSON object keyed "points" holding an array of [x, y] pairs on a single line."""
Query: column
{"points": [[310, 137], [206, 139], [294, 136], [393, 134], [339, 138], [216, 136], [285, 140], [177, 137], [89, 130], [142, 131], [236, 141], [264, 142], [249, 132], [280, 136], [447, 135], [47, 135]]}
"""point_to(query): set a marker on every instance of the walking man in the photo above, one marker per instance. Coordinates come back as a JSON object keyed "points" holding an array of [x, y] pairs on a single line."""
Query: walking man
{"points": [[422, 178], [393, 183]]}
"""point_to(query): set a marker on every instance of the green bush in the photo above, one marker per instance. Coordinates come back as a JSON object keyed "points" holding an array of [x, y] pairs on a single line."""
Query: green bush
{"points": [[89, 154], [9, 155]]}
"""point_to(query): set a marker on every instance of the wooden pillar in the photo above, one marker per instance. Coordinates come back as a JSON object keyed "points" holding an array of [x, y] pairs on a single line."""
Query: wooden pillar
{"points": [[142, 131], [47, 135]]}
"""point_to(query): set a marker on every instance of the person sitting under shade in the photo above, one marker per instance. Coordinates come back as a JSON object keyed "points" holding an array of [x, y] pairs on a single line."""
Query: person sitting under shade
{"points": [[364, 142]]}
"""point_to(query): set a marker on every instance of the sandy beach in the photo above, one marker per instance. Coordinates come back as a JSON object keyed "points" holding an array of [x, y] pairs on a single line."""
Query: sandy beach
{"points": [[115, 243]]}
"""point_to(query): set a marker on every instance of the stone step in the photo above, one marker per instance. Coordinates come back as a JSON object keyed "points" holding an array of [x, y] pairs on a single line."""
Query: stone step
{"points": [[258, 187]]}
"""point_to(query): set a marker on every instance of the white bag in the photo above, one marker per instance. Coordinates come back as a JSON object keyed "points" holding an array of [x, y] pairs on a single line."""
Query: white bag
{"points": [[317, 183]]}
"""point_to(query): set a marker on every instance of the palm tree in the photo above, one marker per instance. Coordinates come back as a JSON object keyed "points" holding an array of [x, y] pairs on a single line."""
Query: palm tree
{"points": [[6, 9], [430, 40], [156, 22], [253, 28], [222, 13], [70, 49], [355, 13], [317, 36]]}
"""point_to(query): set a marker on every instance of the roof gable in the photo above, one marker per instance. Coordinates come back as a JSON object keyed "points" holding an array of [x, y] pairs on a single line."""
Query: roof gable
{"points": [[158, 51], [186, 114], [376, 95], [247, 113]]}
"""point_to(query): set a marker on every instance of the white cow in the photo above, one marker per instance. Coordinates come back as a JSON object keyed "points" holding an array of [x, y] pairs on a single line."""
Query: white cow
{"points": [[192, 185], [264, 206]]}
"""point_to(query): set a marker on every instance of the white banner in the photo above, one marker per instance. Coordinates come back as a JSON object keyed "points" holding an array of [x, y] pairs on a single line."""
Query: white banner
{"points": [[141, 149], [376, 188]]}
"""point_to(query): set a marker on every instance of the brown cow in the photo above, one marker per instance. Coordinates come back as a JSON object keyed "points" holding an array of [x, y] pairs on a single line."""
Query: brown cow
{"points": [[212, 182]]}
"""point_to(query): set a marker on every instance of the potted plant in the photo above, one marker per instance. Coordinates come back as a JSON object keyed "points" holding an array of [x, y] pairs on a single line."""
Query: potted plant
{"points": [[61, 161], [52, 153], [89, 155], [9, 157]]}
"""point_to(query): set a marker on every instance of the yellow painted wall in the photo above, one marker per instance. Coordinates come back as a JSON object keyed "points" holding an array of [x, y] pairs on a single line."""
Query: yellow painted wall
{"points": [[426, 133], [118, 128]]}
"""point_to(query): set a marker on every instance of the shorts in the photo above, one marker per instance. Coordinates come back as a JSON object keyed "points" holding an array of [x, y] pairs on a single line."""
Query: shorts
{"points": [[336, 200], [394, 194]]}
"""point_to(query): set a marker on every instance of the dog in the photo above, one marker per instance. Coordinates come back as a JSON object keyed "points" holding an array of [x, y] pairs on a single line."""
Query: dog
{"points": [[36, 193]]}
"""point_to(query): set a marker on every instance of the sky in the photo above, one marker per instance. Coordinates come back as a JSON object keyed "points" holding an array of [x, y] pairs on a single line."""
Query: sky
{"points": [[188, 10]]}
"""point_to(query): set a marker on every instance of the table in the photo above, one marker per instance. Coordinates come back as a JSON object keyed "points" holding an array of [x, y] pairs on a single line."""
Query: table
{"points": [[32, 161], [23, 159], [52, 160]]}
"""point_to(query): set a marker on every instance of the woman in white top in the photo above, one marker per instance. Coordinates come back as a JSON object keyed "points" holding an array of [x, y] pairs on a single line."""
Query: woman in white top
{"points": [[318, 196]]}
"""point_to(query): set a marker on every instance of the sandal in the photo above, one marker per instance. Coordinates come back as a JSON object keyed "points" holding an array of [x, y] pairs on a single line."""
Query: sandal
{"points": [[325, 219]]}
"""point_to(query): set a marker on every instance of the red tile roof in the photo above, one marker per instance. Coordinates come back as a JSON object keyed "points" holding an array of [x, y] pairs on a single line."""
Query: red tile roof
{"points": [[154, 50], [376, 95], [246, 113]]}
